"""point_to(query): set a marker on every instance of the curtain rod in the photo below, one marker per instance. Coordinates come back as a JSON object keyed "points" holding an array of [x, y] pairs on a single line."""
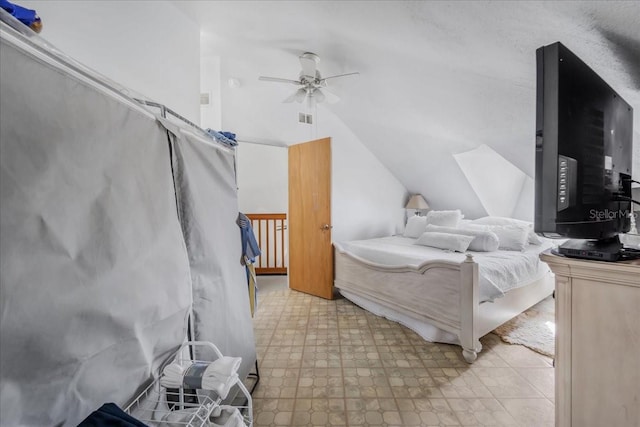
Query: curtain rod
{"points": [[164, 110], [264, 142]]}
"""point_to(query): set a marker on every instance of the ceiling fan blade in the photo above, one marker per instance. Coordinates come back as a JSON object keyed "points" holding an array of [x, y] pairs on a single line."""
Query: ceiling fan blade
{"points": [[330, 97], [318, 95], [298, 96], [279, 80], [309, 62], [338, 75]]}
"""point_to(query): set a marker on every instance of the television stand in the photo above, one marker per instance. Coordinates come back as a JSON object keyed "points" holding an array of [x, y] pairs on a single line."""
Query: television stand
{"points": [[596, 312], [600, 250]]}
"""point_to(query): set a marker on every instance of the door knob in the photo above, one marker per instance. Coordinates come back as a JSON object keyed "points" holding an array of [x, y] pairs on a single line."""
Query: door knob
{"points": [[326, 227]]}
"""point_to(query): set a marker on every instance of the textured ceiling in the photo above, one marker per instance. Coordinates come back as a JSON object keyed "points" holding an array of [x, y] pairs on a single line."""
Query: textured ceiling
{"points": [[437, 78]]}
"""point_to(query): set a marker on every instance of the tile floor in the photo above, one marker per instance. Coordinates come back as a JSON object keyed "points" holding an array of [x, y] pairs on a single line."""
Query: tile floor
{"points": [[326, 363]]}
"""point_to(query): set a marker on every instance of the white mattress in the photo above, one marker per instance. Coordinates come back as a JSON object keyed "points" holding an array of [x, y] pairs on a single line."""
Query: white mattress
{"points": [[499, 271]]}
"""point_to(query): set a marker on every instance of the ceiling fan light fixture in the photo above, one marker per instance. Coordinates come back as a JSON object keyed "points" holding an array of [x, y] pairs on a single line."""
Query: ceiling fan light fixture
{"points": [[297, 96], [301, 94]]}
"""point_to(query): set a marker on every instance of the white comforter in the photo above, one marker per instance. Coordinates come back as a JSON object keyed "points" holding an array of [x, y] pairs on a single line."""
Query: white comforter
{"points": [[499, 271]]}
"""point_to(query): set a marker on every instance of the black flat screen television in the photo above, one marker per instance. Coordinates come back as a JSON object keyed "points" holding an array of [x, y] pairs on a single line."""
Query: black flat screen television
{"points": [[584, 132]]}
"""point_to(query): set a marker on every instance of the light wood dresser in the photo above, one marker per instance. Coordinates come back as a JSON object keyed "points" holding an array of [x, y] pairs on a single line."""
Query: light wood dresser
{"points": [[597, 364]]}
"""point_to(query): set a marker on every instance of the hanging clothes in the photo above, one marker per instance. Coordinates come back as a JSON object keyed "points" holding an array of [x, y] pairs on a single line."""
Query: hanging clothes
{"points": [[227, 138], [27, 16], [250, 247], [253, 285], [250, 251]]}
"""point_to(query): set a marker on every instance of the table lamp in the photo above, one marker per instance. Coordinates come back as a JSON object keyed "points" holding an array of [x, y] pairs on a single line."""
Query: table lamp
{"points": [[418, 203]]}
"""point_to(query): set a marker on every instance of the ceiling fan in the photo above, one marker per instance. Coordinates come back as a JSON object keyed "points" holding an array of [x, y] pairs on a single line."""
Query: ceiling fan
{"points": [[311, 84]]}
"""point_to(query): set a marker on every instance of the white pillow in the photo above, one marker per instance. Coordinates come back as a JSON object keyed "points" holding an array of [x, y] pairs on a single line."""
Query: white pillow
{"points": [[500, 220], [512, 237], [445, 218], [534, 239], [483, 240], [452, 242], [472, 226], [415, 226]]}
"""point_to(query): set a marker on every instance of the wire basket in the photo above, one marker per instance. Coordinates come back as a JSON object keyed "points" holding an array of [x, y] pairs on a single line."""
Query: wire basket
{"points": [[158, 405]]}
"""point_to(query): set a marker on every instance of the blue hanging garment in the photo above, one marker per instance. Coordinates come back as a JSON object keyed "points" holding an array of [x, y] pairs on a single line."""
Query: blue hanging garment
{"points": [[250, 251], [250, 247]]}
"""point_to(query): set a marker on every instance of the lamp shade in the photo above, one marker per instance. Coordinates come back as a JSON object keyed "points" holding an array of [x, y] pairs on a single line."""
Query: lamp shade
{"points": [[417, 202]]}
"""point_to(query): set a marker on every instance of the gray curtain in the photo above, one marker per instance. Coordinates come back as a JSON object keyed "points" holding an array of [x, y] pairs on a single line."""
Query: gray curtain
{"points": [[95, 277], [208, 209]]}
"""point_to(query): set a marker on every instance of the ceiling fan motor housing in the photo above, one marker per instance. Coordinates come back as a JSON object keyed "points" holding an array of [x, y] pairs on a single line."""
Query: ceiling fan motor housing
{"points": [[310, 55]]}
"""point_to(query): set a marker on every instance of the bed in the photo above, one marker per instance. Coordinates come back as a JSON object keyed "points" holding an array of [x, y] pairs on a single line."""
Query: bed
{"points": [[443, 296]]}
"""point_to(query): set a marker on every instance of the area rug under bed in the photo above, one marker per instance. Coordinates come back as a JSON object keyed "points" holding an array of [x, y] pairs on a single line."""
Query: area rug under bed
{"points": [[535, 328]]}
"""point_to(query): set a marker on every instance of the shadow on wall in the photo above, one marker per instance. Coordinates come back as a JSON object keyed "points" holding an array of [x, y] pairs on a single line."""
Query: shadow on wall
{"points": [[503, 189]]}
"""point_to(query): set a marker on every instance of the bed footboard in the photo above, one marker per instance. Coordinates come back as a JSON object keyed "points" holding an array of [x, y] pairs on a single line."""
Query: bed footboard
{"points": [[441, 293]]}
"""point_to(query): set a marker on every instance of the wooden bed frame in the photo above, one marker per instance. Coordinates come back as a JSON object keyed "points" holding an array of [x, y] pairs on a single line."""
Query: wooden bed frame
{"points": [[446, 284]]}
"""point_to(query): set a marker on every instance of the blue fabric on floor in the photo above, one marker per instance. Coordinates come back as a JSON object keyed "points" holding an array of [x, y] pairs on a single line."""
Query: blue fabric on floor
{"points": [[110, 415]]}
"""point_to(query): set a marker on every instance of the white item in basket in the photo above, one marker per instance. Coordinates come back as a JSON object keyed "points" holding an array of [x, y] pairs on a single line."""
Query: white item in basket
{"points": [[227, 416], [172, 375], [219, 375], [180, 417], [224, 366]]}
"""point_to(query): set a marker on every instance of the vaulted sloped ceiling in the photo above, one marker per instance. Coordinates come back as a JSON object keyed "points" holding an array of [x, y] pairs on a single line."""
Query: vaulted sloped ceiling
{"points": [[437, 78]]}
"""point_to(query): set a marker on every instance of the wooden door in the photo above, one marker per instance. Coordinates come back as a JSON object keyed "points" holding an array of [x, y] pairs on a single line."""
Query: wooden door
{"points": [[310, 249]]}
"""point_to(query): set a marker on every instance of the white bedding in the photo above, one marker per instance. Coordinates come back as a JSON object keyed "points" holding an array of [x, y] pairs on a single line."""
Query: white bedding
{"points": [[499, 271]]}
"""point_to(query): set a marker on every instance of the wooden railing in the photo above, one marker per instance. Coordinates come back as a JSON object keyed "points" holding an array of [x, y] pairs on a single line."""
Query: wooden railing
{"points": [[270, 230]]}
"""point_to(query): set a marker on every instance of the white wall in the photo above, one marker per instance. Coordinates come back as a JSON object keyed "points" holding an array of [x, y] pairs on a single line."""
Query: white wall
{"points": [[635, 165], [367, 200], [262, 178], [210, 115], [151, 47]]}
